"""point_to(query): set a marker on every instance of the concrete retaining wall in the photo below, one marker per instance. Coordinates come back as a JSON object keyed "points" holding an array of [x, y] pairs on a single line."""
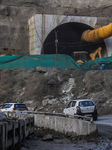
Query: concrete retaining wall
{"points": [[13, 131], [65, 125]]}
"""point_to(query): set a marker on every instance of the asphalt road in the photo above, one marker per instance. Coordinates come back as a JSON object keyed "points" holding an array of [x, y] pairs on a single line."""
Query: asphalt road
{"points": [[104, 125], [104, 120]]}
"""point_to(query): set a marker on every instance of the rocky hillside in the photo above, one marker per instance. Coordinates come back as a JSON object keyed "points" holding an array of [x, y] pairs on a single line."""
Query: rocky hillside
{"points": [[48, 89]]}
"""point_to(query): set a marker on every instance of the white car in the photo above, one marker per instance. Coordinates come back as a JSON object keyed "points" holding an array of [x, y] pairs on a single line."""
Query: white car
{"points": [[81, 107], [13, 107]]}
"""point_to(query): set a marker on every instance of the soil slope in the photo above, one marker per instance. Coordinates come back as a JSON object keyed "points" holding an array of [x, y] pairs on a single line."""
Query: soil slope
{"points": [[48, 89]]}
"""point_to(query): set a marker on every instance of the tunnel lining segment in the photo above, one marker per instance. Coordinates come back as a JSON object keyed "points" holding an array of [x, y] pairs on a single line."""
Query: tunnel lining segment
{"points": [[41, 25]]}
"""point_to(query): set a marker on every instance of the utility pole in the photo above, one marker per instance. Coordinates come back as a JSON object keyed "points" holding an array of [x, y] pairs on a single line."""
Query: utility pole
{"points": [[56, 44]]}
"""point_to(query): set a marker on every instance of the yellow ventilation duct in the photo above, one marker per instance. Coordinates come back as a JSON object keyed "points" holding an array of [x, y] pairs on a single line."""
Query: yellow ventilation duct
{"points": [[97, 34]]}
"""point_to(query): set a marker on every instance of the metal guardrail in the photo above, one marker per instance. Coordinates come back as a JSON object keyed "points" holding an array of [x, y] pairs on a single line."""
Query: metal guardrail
{"points": [[27, 113], [87, 118], [13, 131]]}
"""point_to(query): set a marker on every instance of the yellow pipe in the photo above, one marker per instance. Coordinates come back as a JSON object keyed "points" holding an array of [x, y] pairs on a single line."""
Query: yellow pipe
{"points": [[97, 34]]}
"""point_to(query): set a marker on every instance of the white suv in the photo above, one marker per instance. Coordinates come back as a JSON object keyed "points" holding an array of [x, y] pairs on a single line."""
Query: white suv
{"points": [[81, 107], [13, 107]]}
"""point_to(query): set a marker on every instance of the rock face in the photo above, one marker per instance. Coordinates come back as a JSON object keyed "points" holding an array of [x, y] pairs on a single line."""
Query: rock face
{"points": [[35, 89], [15, 14]]}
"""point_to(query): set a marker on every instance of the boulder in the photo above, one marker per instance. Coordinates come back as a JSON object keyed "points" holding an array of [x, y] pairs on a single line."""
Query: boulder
{"points": [[48, 137]]}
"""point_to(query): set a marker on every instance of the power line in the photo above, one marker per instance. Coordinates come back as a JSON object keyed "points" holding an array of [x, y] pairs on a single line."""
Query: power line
{"points": [[72, 44]]}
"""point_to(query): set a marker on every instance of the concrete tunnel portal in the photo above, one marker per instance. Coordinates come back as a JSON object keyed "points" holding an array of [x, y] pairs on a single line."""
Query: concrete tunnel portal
{"points": [[69, 40]]}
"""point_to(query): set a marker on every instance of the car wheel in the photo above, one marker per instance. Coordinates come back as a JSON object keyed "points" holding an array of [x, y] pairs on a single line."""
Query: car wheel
{"points": [[95, 118]]}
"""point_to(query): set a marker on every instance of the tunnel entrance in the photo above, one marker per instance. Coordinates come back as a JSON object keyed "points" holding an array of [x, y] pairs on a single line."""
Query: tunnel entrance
{"points": [[69, 40]]}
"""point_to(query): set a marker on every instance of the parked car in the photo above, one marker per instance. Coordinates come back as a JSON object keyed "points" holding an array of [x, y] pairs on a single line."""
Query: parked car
{"points": [[13, 107], [85, 107]]}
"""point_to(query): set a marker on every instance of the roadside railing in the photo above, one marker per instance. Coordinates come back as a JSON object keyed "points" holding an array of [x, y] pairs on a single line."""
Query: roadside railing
{"points": [[26, 114], [87, 118]]}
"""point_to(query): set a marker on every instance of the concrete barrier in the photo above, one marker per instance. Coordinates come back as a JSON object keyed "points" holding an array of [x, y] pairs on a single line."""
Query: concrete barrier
{"points": [[65, 125], [13, 131]]}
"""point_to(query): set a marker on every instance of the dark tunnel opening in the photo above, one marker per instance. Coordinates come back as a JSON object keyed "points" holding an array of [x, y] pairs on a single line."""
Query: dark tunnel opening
{"points": [[69, 40]]}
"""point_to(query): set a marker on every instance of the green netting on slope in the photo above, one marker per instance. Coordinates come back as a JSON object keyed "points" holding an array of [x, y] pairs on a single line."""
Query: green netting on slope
{"points": [[52, 60], [32, 61], [97, 64]]}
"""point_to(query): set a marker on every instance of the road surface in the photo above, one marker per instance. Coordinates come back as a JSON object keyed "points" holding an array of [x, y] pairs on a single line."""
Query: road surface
{"points": [[104, 120], [104, 125]]}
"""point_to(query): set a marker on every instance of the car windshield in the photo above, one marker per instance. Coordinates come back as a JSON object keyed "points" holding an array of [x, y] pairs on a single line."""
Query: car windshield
{"points": [[20, 106], [6, 105], [86, 103]]}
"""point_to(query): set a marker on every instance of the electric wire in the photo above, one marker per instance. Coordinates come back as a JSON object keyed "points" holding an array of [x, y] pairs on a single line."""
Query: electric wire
{"points": [[69, 44]]}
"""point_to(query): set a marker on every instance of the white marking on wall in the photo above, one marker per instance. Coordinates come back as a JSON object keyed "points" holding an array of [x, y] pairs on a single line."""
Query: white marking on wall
{"points": [[108, 43]]}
